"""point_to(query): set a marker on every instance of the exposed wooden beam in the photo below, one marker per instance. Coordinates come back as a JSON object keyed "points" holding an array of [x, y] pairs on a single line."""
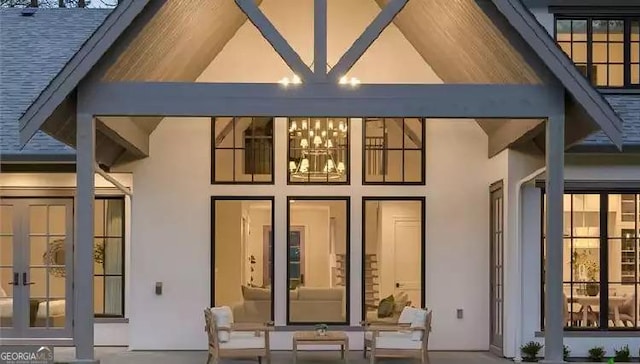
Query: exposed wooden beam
{"points": [[417, 140], [370, 34], [125, 132], [224, 132], [320, 99], [320, 39], [512, 131], [277, 41]]}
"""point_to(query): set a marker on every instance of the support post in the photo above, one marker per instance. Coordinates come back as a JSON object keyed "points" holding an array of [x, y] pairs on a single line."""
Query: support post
{"points": [[553, 305], [83, 251]]}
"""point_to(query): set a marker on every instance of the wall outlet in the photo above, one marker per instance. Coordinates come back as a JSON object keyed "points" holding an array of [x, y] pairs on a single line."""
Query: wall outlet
{"points": [[459, 313]]}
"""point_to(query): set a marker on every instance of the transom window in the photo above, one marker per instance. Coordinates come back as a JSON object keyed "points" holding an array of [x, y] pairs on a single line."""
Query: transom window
{"points": [[601, 260], [605, 49], [318, 150], [242, 150], [393, 151]]}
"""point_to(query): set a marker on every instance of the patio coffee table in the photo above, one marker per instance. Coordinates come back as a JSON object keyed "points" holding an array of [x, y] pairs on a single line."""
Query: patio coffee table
{"points": [[312, 338]]}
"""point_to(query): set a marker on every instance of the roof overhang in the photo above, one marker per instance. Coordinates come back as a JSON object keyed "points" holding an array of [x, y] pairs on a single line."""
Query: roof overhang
{"points": [[597, 112]]}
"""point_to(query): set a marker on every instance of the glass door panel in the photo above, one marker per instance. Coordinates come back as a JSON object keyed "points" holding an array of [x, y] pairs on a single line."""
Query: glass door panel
{"points": [[49, 254], [496, 267], [7, 269]]}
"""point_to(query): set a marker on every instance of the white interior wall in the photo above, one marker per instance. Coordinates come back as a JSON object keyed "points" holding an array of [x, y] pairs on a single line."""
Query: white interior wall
{"points": [[106, 334]]}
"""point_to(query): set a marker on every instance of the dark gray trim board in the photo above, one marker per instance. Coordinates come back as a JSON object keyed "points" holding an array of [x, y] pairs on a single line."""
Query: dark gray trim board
{"points": [[327, 100], [37, 168], [591, 3], [37, 158], [600, 186]]}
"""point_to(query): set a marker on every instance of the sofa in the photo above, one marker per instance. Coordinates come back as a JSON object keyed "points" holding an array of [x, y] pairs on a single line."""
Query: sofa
{"points": [[306, 305]]}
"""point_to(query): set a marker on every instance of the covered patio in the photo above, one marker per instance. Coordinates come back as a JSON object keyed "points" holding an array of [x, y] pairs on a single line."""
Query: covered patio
{"points": [[519, 110], [108, 355]]}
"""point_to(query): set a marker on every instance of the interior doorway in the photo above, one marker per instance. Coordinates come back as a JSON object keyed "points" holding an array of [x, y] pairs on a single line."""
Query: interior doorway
{"points": [[393, 254]]}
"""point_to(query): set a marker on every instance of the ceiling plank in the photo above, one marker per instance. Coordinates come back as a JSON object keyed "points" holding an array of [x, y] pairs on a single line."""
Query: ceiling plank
{"points": [[125, 132]]}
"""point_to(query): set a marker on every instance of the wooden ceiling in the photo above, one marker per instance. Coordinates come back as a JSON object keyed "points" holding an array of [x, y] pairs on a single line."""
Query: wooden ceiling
{"points": [[464, 41]]}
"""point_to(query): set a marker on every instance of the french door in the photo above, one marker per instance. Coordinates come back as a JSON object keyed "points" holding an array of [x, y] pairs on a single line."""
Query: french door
{"points": [[496, 287], [36, 254]]}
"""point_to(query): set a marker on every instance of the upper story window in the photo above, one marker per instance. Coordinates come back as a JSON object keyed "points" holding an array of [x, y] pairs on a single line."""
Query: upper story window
{"points": [[242, 150], [605, 49], [318, 150], [394, 151]]}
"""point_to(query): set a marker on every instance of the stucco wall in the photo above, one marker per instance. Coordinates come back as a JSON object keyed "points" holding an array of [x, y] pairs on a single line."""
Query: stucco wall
{"points": [[171, 215]]}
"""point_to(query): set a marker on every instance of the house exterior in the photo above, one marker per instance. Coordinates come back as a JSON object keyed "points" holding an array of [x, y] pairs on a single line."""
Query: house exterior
{"points": [[157, 160]]}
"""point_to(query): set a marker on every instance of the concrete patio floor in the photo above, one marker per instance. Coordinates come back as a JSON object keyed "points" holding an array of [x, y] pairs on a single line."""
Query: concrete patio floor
{"points": [[122, 356]]}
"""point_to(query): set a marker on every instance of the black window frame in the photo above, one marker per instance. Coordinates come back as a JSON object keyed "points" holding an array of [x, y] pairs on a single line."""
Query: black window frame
{"points": [[589, 17], [604, 237], [347, 286], [212, 262], [347, 149], [104, 275], [235, 148], [423, 244], [385, 152]]}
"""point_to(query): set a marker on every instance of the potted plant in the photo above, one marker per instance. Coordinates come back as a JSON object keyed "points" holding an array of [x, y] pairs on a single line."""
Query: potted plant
{"points": [[566, 353], [622, 355], [596, 354], [321, 329], [530, 351], [586, 269]]}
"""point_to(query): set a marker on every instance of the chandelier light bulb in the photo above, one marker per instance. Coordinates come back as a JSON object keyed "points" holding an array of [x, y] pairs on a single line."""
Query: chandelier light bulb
{"points": [[311, 133], [324, 133]]}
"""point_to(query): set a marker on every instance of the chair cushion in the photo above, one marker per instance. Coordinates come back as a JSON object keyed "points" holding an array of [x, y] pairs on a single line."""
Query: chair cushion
{"points": [[224, 318], [417, 317], [243, 340], [395, 340]]}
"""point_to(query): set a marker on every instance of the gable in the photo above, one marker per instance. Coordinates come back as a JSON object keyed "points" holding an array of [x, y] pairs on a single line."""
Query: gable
{"points": [[546, 63]]}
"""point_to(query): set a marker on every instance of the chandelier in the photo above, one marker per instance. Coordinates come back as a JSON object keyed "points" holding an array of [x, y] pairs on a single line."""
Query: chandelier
{"points": [[318, 149]]}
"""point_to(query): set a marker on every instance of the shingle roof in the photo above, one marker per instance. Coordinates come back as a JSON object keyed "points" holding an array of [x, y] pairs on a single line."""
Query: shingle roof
{"points": [[33, 49], [628, 108]]}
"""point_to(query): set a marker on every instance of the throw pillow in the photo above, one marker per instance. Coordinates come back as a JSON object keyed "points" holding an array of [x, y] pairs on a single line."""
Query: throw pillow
{"points": [[224, 318], [401, 302], [385, 308]]}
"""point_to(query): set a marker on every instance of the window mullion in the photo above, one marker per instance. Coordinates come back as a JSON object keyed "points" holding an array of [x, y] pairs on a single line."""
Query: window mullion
{"points": [[627, 52], [589, 51], [604, 262]]}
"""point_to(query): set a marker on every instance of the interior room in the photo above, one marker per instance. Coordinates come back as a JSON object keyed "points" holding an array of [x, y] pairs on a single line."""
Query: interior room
{"points": [[600, 232], [392, 264]]}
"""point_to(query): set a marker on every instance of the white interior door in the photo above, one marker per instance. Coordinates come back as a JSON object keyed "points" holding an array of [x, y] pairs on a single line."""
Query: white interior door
{"points": [[408, 262]]}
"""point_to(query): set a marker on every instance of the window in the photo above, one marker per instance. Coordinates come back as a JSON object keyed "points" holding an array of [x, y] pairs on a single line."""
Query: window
{"points": [[242, 150], [393, 255], [600, 273], [318, 260], [109, 257], [393, 151], [605, 50], [318, 150], [242, 256]]}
